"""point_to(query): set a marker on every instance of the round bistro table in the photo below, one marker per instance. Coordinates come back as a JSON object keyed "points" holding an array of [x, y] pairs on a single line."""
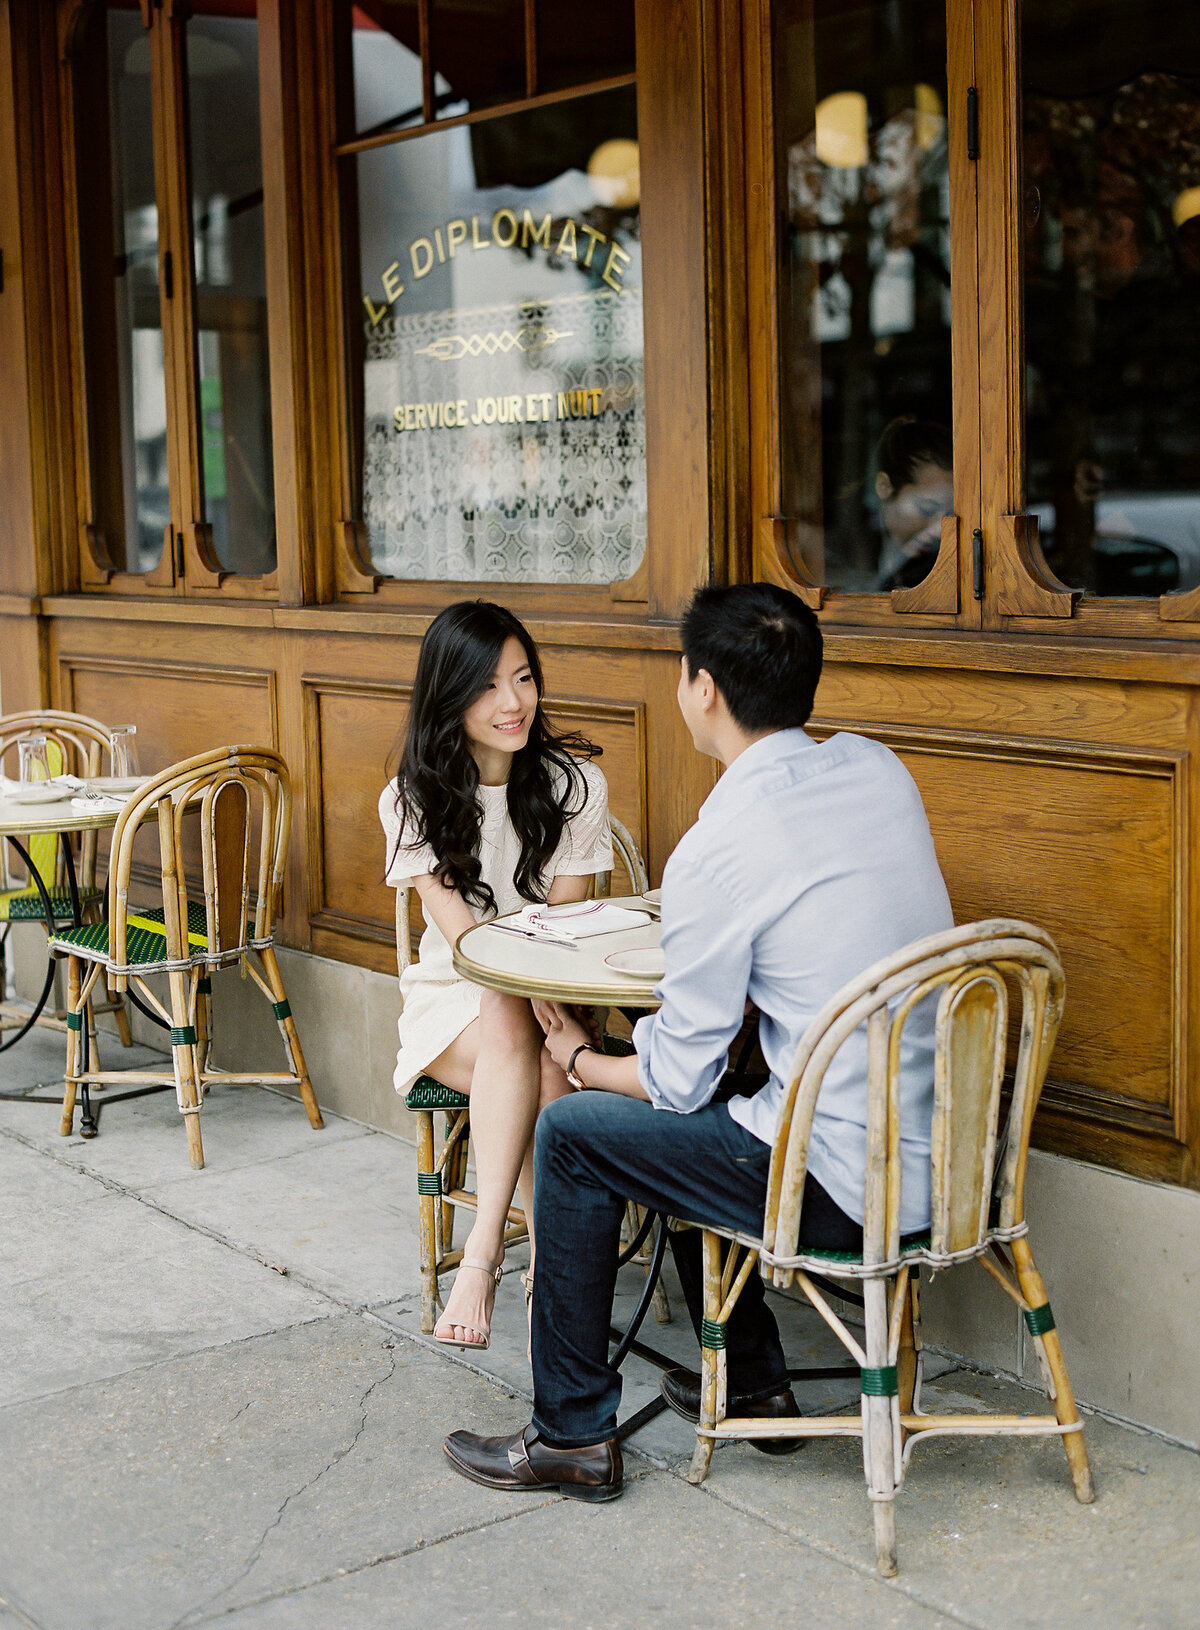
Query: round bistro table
{"points": [[501, 960], [18, 821]]}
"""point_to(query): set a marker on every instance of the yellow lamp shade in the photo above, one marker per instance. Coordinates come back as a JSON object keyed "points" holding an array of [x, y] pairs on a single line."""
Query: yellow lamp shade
{"points": [[842, 130], [615, 174]]}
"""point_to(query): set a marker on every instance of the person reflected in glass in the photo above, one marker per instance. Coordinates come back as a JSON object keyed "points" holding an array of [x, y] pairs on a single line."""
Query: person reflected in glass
{"points": [[914, 484], [489, 809]]}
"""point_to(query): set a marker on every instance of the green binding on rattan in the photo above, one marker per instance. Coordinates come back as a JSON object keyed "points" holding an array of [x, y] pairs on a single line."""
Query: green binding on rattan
{"points": [[429, 1182], [281, 1010], [74, 1021], [880, 1383], [183, 1035], [1039, 1319], [426, 1093], [712, 1334]]}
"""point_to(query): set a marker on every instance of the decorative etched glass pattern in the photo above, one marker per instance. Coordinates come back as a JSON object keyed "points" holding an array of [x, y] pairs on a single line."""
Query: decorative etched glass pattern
{"points": [[500, 351], [529, 497]]}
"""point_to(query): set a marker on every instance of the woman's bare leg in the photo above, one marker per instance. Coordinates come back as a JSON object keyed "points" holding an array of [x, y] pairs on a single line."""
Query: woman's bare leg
{"points": [[498, 1061]]}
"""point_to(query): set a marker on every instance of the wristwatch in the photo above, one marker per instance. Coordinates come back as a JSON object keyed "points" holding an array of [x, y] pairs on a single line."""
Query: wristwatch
{"points": [[584, 1047]]}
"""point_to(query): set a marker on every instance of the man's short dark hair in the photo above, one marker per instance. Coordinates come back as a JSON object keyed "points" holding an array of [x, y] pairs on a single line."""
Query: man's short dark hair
{"points": [[762, 647]]}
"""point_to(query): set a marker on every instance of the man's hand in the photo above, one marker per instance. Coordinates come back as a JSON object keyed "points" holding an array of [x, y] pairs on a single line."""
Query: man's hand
{"points": [[564, 1032]]}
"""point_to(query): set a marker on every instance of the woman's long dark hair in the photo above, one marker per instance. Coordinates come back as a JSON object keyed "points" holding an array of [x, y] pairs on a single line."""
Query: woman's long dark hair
{"points": [[437, 778]]}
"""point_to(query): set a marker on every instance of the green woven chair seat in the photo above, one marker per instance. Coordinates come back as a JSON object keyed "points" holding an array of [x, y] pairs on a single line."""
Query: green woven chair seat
{"points": [[25, 905], [145, 937], [919, 1242], [426, 1093]]}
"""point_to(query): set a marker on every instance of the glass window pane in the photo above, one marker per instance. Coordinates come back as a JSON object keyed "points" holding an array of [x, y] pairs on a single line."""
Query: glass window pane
{"points": [[225, 175], [865, 296], [386, 59], [577, 44], [478, 50], [1112, 291], [496, 348], [122, 324]]}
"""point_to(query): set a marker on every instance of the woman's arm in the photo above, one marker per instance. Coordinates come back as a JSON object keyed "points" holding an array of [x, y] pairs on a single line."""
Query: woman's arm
{"points": [[444, 905], [568, 890]]}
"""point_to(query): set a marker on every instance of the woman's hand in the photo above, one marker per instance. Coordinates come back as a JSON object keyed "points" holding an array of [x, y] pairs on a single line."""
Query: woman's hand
{"points": [[564, 1033]]}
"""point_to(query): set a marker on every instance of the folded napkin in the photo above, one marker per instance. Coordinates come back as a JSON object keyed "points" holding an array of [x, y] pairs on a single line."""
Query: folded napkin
{"points": [[581, 921]]}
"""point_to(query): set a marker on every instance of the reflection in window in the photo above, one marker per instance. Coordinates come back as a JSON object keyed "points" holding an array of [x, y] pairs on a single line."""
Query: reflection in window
{"points": [[225, 174], [122, 322], [1112, 291], [865, 297], [497, 347]]}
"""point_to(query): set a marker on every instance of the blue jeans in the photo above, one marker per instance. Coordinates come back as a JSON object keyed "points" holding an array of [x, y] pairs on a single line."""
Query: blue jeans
{"points": [[595, 1150]]}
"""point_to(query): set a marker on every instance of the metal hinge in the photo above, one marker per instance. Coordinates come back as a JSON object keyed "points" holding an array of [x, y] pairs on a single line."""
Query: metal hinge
{"points": [[977, 563], [972, 122], [180, 557]]}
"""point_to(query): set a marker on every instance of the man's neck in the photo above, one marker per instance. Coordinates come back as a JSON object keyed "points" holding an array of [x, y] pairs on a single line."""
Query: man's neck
{"points": [[735, 742]]}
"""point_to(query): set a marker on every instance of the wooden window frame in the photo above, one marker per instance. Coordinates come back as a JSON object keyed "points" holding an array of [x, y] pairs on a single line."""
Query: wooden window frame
{"points": [[1020, 594], [659, 582], [188, 566]]}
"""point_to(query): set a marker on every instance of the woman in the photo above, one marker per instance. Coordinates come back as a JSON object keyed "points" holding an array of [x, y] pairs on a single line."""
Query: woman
{"points": [[490, 809]]}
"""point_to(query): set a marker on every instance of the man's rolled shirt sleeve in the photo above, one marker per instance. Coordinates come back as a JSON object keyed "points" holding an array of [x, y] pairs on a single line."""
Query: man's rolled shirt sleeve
{"points": [[683, 1049]]}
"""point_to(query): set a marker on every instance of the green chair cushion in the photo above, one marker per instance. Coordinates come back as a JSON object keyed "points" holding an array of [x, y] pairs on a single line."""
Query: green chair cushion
{"points": [[919, 1242], [145, 939], [25, 905], [427, 1093]]}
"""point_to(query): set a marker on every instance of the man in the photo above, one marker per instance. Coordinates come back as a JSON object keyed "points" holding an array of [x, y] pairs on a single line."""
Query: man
{"points": [[809, 861]]}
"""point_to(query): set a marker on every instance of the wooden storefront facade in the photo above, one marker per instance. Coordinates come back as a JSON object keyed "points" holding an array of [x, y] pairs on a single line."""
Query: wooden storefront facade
{"points": [[1055, 734]]}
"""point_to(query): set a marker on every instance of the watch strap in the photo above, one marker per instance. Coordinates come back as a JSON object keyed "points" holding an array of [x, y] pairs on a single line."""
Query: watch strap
{"points": [[584, 1047]]}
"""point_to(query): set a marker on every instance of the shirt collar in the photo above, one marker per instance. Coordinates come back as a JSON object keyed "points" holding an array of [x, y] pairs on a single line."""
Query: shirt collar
{"points": [[752, 761]]}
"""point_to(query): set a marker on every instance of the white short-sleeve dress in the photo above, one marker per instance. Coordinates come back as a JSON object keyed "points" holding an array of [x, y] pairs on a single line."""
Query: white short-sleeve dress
{"points": [[438, 1003]]}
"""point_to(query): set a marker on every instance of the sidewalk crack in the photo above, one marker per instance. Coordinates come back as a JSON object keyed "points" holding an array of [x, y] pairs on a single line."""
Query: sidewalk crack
{"points": [[190, 1617]]}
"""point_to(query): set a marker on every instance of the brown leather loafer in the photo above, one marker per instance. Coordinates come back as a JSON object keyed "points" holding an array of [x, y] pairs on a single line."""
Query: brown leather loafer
{"points": [[681, 1389], [523, 1461]]}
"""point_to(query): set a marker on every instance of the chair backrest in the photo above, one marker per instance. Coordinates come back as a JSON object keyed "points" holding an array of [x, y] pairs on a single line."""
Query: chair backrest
{"points": [[627, 852], [75, 744], [242, 798], [624, 847], [968, 971]]}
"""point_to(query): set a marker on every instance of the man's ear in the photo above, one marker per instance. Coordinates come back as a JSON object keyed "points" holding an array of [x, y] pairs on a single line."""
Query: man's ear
{"points": [[883, 487], [709, 694]]}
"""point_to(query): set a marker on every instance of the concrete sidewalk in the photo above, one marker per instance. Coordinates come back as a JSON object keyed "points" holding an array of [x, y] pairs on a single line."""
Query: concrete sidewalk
{"points": [[216, 1408]]}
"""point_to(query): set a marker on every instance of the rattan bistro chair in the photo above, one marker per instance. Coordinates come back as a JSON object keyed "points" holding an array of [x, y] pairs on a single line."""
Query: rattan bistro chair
{"points": [[242, 796], [442, 1174], [978, 1201], [75, 744]]}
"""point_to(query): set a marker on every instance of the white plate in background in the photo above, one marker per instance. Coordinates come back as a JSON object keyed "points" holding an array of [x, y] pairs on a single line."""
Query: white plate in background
{"points": [[646, 963]]}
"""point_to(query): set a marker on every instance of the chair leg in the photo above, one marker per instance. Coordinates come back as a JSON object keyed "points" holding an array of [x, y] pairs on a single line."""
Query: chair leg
{"points": [[878, 1423], [906, 1363], [291, 1038], [183, 1060], [428, 1199], [117, 1003], [93, 1044], [703, 1452], [70, 1086], [1034, 1291]]}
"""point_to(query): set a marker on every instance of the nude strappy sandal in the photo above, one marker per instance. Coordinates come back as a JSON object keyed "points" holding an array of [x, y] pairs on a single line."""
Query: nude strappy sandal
{"points": [[495, 1274]]}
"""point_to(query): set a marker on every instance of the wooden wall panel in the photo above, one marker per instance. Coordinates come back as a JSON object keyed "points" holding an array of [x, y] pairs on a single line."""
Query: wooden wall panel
{"points": [[1068, 802], [179, 708]]}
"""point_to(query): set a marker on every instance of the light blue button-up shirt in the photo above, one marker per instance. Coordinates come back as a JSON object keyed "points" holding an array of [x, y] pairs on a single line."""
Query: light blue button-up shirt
{"points": [[809, 861]]}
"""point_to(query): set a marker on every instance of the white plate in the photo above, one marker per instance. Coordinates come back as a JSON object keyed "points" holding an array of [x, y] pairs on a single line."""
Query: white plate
{"points": [[37, 792], [116, 783], [653, 898], [648, 963]]}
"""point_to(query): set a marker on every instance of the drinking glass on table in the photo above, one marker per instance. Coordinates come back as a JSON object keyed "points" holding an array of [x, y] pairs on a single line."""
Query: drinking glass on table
{"points": [[123, 745], [33, 759]]}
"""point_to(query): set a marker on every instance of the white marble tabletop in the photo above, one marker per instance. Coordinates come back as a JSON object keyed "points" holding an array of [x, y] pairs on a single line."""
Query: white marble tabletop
{"points": [[507, 962]]}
